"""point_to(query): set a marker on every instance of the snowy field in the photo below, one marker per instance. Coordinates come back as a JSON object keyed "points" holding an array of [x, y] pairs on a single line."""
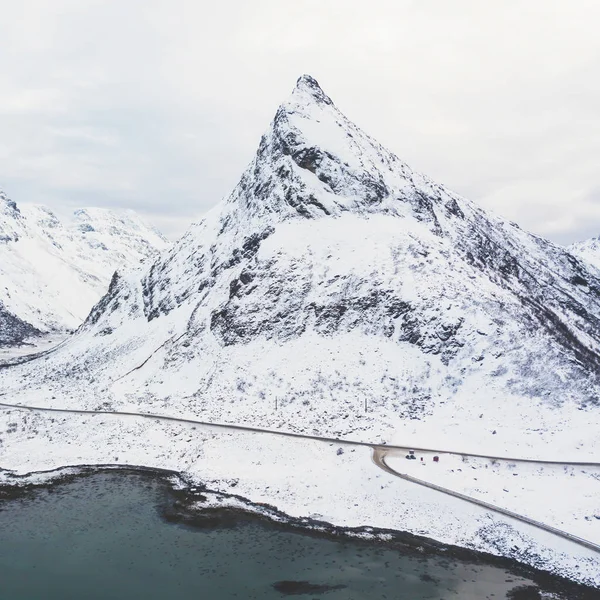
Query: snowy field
{"points": [[335, 483], [31, 346], [563, 496]]}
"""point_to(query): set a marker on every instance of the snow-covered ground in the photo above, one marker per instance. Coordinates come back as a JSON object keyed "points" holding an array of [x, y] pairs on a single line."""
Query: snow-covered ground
{"points": [[302, 478], [31, 347], [563, 496]]}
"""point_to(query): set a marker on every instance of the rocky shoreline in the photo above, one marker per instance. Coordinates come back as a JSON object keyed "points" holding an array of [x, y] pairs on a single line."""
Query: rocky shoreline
{"points": [[190, 504]]}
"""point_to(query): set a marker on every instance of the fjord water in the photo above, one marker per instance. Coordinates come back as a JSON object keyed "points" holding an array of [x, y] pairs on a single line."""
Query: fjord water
{"points": [[103, 536]]}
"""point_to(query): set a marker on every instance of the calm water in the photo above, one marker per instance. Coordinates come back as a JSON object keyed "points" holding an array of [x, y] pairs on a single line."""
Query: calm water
{"points": [[103, 537]]}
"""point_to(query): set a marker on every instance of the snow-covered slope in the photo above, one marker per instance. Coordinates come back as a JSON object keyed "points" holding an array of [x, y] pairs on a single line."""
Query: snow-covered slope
{"points": [[52, 273], [338, 292], [588, 251], [335, 277]]}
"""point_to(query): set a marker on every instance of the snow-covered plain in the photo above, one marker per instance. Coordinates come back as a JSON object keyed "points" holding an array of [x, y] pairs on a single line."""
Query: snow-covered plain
{"points": [[31, 347], [523, 488], [323, 482], [53, 272], [339, 293]]}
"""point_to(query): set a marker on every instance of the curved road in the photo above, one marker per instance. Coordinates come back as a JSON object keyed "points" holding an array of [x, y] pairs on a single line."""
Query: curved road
{"points": [[378, 456], [306, 436]]}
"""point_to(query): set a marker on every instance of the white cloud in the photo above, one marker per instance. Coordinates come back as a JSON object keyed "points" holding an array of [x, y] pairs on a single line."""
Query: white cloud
{"points": [[159, 105]]}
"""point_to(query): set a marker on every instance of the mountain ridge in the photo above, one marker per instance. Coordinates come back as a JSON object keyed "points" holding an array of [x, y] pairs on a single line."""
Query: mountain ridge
{"points": [[329, 245], [587, 251], [53, 271]]}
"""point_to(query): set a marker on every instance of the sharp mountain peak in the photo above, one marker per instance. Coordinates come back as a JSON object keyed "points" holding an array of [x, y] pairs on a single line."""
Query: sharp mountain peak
{"points": [[313, 161], [310, 86]]}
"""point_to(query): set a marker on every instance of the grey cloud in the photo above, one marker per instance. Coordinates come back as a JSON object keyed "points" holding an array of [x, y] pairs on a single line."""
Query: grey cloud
{"points": [[159, 106]]}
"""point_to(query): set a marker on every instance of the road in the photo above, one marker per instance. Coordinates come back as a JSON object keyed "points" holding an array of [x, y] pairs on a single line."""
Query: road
{"points": [[379, 452], [305, 436]]}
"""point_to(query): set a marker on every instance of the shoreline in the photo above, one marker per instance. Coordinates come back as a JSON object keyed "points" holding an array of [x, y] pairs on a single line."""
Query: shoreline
{"points": [[190, 505]]}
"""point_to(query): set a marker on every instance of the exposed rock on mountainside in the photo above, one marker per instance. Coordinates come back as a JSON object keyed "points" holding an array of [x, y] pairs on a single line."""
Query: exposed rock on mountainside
{"points": [[14, 330], [335, 277], [52, 273]]}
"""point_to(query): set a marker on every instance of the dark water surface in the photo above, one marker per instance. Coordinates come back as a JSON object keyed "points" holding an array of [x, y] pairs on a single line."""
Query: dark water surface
{"points": [[103, 536]]}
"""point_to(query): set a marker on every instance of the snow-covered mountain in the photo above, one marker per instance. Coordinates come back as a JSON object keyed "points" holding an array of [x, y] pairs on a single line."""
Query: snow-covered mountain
{"points": [[587, 251], [338, 280], [337, 292], [53, 272]]}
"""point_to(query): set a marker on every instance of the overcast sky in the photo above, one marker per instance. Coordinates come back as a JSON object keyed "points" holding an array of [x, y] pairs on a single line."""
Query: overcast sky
{"points": [[159, 105]]}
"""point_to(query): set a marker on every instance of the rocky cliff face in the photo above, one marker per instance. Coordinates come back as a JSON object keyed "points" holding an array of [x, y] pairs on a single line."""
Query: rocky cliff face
{"points": [[13, 330], [337, 279], [53, 272]]}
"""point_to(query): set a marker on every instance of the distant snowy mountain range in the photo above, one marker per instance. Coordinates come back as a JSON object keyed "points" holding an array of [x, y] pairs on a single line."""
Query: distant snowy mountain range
{"points": [[588, 251], [53, 272]]}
